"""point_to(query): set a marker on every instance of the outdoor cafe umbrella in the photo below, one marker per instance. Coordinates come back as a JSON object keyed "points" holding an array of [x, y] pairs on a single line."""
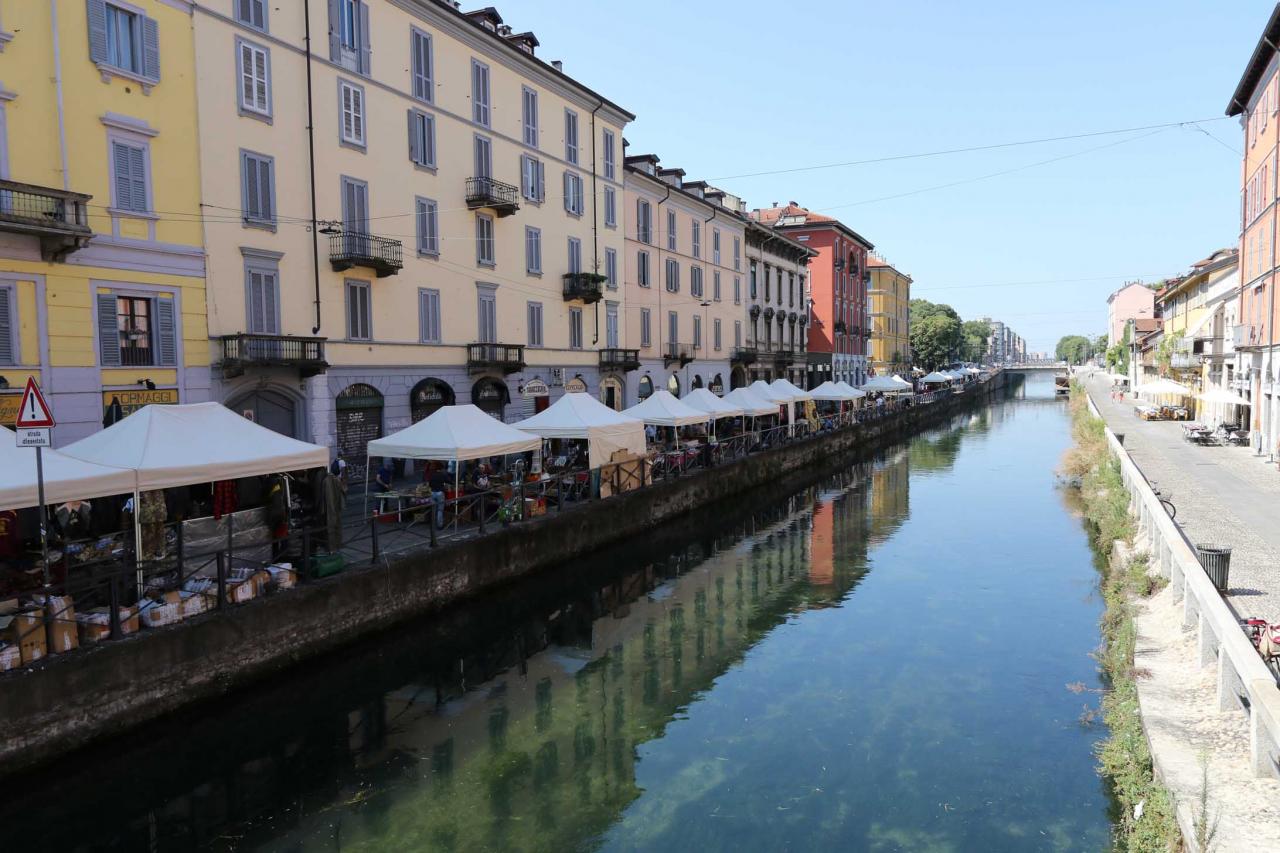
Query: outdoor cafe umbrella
{"points": [[1164, 388], [1222, 397]]}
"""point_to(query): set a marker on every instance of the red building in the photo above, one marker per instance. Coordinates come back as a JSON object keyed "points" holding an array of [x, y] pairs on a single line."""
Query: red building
{"points": [[839, 311]]}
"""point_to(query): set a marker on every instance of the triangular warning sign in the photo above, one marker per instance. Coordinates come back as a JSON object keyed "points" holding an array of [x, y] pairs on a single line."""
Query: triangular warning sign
{"points": [[33, 411]]}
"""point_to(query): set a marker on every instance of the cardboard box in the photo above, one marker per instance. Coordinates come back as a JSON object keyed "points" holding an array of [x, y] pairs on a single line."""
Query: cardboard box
{"points": [[95, 625], [193, 603], [534, 507], [283, 576], [26, 631], [156, 614], [10, 657], [65, 636]]}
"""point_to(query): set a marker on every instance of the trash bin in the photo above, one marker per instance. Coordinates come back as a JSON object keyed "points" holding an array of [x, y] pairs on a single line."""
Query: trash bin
{"points": [[1216, 560]]}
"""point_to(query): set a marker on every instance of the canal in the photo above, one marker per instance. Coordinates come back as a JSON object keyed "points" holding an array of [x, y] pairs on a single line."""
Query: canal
{"points": [[896, 657]]}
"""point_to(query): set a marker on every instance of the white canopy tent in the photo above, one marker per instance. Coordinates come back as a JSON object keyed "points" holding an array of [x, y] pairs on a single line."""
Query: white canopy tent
{"points": [[902, 383], [65, 478], [831, 392], [784, 386], [845, 386], [704, 401], [935, 378], [1164, 388], [455, 434], [1222, 397], [750, 403], [581, 416], [781, 396], [662, 408], [886, 384]]}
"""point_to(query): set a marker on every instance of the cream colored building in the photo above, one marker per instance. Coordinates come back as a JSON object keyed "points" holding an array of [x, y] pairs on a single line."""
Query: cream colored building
{"points": [[685, 268], [890, 298], [466, 198], [777, 302]]}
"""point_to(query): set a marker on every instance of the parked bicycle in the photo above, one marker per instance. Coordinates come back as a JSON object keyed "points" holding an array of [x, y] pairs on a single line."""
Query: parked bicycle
{"points": [[1165, 498], [1265, 637]]}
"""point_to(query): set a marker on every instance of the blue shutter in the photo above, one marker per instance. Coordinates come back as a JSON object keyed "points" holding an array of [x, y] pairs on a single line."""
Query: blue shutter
{"points": [[568, 193], [335, 34], [365, 50], [7, 354], [97, 30], [415, 144], [108, 331], [166, 333], [150, 49]]}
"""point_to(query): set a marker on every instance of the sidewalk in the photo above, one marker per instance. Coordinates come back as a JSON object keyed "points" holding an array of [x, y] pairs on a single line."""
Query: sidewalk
{"points": [[1224, 495]]}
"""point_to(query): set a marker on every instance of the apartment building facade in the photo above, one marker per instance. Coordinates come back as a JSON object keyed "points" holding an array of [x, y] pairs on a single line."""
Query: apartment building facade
{"points": [[1256, 101], [1132, 302], [775, 344], [839, 327], [684, 270], [405, 208], [890, 298]]}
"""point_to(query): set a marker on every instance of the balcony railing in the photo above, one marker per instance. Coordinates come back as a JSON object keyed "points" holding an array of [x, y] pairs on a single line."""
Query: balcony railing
{"points": [[1184, 360], [349, 249], [505, 357], [783, 357], [242, 351], [587, 286], [504, 199], [58, 218], [619, 359], [682, 353], [1248, 335], [744, 355]]}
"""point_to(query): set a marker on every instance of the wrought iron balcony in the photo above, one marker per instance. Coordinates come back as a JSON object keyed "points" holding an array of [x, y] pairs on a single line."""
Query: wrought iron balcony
{"points": [[840, 327], [243, 351], [619, 359], [349, 249], [505, 357], [673, 353], [744, 356], [503, 199], [783, 357], [587, 286], [58, 218]]}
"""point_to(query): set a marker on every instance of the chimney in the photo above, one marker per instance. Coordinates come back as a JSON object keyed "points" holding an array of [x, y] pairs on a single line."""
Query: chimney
{"points": [[557, 65]]}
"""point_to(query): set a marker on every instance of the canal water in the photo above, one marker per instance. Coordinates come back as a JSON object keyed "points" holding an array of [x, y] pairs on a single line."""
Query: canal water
{"points": [[896, 657]]}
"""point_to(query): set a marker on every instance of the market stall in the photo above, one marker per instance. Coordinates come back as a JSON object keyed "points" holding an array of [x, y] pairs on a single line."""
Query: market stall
{"points": [[580, 416], [716, 407], [65, 478], [831, 392]]}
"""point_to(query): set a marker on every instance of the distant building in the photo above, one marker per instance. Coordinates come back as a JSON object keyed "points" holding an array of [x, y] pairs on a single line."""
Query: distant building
{"points": [[1131, 302], [890, 296]]}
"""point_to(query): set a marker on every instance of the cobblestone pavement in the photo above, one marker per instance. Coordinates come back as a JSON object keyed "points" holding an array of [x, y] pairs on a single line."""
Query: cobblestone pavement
{"points": [[1223, 495]]}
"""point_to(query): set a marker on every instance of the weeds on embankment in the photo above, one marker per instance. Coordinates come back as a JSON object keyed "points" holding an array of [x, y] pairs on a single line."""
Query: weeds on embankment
{"points": [[1146, 821]]}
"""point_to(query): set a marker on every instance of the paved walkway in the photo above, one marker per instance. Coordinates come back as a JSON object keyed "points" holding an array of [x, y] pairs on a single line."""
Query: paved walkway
{"points": [[1224, 495]]}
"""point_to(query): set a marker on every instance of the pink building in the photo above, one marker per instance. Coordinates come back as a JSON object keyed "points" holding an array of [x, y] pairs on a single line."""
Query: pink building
{"points": [[1132, 302]]}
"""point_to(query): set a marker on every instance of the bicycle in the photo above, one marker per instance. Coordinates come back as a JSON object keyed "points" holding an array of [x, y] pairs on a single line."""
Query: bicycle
{"points": [[1165, 498]]}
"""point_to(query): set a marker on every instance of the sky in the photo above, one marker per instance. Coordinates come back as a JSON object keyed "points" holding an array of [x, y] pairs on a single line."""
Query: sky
{"points": [[727, 90]]}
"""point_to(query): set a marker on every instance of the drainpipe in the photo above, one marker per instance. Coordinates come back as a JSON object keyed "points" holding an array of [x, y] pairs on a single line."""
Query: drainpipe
{"points": [[657, 208], [595, 213], [57, 84], [311, 162], [706, 319]]}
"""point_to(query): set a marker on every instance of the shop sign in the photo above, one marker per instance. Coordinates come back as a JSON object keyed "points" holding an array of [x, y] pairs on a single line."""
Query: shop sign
{"points": [[717, 385], [535, 388], [9, 408], [131, 401], [576, 385]]}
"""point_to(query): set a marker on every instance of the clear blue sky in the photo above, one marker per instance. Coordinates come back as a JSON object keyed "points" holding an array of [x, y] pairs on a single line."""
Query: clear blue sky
{"points": [[727, 88]]}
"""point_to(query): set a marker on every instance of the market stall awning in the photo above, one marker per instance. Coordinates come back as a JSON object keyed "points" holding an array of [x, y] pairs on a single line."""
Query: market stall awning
{"points": [[783, 386], [845, 386], [455, 434], [178, 445], [705, 401], [1164, 388], [581, 416], [936, 377], [887, 384], [765, 391], [662, 408], [830, 391], [750, 403], [65, 478]]}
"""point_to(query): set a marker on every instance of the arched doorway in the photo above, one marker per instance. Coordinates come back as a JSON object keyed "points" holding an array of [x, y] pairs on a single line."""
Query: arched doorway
{"points": [[611, 392], [673, 385], [716, 385], [491, 396], [645, 389], [738, 377], [359, 421], [270, 409], [696, 383], [427, 397]]}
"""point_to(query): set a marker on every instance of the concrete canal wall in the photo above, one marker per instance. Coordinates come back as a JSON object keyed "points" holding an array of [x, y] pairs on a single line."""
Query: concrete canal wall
{"points": [[63, 703]]}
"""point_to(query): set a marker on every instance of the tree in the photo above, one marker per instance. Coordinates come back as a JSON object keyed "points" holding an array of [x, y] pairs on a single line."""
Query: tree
{"points": [[975, 334], [922, 309], [1074, 349], [1099, 345], [934, 340]]}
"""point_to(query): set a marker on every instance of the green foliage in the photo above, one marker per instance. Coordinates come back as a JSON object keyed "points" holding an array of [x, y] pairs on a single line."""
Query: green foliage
{"points": [[935, 340], [975, 334], [1074, 349], [922, 309], [1164, 353]]}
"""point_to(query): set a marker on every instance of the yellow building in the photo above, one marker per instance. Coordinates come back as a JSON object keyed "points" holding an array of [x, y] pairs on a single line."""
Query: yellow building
{"points": [[102, 267], [890, 294], [1186, 307], [405, 207]]}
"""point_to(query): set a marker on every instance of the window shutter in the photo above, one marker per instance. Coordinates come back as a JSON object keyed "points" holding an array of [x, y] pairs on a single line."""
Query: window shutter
{"points": [[271, 324], [365, 48], [7, 354], [335, 35], [542, 181], [415, 138], [108, 331], [422, 316], [166, 333], [266, 204], [568, 194], [150, 49], [124, 189], [254, 300], [137, 179], [97, 30], [249, 165]]}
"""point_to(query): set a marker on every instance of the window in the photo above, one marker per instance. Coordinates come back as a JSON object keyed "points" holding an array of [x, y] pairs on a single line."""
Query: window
{"points": [[422, 65], [484, 240], [695, 281], [644, 221], [575, 328], [737, 290], [262, 296], [697, 332], [715, 246], [697, 238], [487, 313], [573, 201], [359, 311], [535, 324], [355, 207], [8, 325], [133, 316], [767, 273], [673, 327], [610, 168], [428, 226], [483, 157], [254, 65], [611, 325], [673, 275], [532, 183], [136, 331], [124, 39], [737, 333], [532, 250], [610, 208], [751, 279], [351, 107], [422, 138], [671, 230], [646, 334], [611, 269], [715, 333], [575, 255], [479, 93], [715, 285], [529, 111], [349, 34], [258, 189], [737, 253], [642, 268], [252, 13], [429, 315], [129, 177], [571, 136]]}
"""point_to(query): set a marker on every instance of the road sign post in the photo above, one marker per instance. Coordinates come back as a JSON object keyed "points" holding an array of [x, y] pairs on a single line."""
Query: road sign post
{"points": [[32, 430]]}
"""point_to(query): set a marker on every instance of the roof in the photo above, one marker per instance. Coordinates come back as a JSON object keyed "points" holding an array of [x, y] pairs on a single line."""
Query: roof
{"points": [[877, 262], [1128, 286], [455, 433], [792, 215], [1145, 325], [1257, 65]]}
